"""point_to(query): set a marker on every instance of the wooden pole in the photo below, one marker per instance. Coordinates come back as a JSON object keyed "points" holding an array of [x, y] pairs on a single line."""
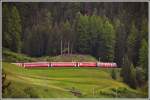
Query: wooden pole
{"points": [[71, 49], [61, 47], [68, 48]]}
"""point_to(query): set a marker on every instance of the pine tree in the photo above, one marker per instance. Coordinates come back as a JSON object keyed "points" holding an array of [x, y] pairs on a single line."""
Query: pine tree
{"points": [[96, 25], [109, 40], [15, 29], [131, 42], [120, 42], [144, 28], [144, 57], [140, 77], [128, 73], [83, 34], [96, 36], [125, 69], [132, 78], [66, 35], [53, 44], [6, 40], [36, 43]]}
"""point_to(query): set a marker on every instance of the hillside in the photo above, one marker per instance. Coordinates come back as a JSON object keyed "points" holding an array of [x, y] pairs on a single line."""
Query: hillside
{"points": [[39, 35], [10, 56], [60, 82], [73, 57]]}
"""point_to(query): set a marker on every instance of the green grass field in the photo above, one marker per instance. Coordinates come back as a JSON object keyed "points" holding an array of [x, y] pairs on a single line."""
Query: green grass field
{"points": [[65, 83]]}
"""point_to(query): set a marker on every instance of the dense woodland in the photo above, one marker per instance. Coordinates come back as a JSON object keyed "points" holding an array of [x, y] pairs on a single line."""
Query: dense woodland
{"points": [[112, 31]]}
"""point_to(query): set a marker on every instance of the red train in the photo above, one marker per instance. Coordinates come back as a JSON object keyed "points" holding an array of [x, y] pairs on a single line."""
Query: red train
{"points": [[67, 64]]}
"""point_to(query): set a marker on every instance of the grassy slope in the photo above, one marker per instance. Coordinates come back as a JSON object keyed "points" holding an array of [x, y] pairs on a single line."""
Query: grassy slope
{"points": [[56, 82], [72, 57], [10, 56]]}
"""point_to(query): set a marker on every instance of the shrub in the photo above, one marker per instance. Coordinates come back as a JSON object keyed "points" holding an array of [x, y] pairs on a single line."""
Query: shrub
{"points": [[113, 74], [140, 76], [12, 92], [31, 92]]}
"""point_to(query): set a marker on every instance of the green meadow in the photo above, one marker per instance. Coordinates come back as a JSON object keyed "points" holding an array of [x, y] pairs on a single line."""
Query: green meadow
{"points": [[66, 83]]}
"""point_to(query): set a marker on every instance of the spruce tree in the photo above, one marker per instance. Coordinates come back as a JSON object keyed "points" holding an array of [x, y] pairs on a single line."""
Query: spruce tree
{"points": [[131, 43], [6, 40], [125, 69], [120, 42], [140, 77], [109, 40], [83, 34], [144, 57], [128, 72], [15, 29], [144, 28], [132, 77]]}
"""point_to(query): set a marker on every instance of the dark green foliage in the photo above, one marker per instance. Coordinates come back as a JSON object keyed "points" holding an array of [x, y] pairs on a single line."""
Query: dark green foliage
{"points": [[12, 92], [5, 84], [140, 77], [132, 78], [144, 57], [120, 92], [120, 42], [144, 28], [125, 67], [28, 92], [31, 92], [131, 42], [6, 40], [83, 32], [12, 28], [36, 42], [96, 36], [100, 37], [53, 43], [129, 73]]}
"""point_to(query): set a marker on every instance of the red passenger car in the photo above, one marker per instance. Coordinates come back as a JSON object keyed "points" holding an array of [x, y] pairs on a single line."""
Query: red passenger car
{"points": [[63, 64], [87, 64], [106, 65], [35, 64]]}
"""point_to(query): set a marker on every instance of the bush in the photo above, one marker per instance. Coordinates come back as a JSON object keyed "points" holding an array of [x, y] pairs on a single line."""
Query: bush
{"points": [[19, 94], [113, 74], [31, 92], [140, 76], [12, 92]]}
